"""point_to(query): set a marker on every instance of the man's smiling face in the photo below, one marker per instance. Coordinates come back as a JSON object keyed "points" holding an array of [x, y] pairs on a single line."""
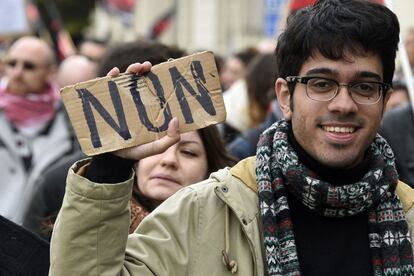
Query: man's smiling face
{"points": [[336, 133]]}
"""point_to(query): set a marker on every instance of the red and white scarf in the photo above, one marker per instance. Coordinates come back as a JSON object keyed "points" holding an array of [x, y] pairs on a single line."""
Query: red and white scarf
{"points": [[29, 110]]}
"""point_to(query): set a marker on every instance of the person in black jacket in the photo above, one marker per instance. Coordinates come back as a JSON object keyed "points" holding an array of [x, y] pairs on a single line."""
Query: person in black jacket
{"points": [[398, 129], [22, 253]]}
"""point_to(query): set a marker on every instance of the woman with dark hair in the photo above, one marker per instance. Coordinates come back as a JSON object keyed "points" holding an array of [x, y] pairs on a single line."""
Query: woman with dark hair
{"points": [[191, 160]]}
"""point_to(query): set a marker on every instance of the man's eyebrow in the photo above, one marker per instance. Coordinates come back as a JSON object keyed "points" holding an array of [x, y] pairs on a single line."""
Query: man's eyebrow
{"points": [[322, 70], [328, 71], [368, 74]]}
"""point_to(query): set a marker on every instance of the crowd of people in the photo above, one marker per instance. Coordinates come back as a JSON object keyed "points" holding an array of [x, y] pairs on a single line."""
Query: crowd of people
{"points": [[312, 173]]}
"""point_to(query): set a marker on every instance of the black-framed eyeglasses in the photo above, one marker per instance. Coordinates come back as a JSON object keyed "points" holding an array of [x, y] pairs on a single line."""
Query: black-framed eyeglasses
{"points": [[325, 89], [27, 65]]}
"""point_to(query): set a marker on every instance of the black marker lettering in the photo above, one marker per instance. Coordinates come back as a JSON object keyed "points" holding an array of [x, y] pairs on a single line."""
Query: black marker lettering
{"points": [[89, 100], [202, 97], [142, 112]]}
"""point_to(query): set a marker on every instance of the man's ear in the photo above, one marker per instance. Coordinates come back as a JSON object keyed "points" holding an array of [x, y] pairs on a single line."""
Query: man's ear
{"points": [[283, 98]]}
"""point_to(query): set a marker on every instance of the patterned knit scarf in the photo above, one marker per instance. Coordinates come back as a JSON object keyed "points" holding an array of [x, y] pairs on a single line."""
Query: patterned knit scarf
{"points": [[278, 172]]}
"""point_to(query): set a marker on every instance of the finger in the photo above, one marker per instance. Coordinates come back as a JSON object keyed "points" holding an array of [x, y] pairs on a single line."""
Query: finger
{"points": [[161, 145], [173, 128], [155, 147], [139, 68], [113, 72], [147, 65]]}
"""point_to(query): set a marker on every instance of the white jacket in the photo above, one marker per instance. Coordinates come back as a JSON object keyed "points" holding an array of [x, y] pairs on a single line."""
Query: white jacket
{"points": [[18, 185]]}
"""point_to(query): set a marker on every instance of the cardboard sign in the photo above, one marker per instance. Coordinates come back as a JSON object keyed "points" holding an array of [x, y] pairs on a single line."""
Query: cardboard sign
{"points": [[114, 113]]}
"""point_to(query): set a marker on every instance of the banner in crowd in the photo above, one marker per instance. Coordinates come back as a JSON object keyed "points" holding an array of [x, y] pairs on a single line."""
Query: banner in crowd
{"points": [[13, 18], [273, 15], [128, 110]]}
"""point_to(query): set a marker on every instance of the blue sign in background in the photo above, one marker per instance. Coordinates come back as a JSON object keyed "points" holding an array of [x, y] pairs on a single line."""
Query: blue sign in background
{"points": [[272, 15]]}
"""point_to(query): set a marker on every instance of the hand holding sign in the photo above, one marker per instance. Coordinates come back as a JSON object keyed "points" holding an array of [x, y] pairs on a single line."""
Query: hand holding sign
{"points": [[125, 110], [157, 146], [152, 148]]}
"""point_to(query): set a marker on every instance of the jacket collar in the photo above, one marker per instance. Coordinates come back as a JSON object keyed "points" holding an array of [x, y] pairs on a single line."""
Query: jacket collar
{"points": [[406, 195], [245, 171]]}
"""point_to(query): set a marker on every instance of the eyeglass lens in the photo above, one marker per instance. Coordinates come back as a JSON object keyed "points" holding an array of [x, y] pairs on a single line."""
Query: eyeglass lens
{"points": [[325, 90]]}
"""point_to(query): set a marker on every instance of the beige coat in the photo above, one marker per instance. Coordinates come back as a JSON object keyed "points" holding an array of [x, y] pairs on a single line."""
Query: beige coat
{"points": [[186, 235]]}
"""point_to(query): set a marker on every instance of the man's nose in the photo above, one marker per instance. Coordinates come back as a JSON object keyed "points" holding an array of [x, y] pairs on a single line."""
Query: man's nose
{"points": [[343, 102]]}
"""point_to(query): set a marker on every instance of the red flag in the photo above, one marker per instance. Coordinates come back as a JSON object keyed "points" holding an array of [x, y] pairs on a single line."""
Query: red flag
{"points": [[121, 5], [298, 4], [162, 23]]}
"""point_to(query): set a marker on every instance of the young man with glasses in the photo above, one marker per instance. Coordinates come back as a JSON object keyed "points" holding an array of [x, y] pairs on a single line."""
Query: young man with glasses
{"points": [[319, 198], [34, 129]]}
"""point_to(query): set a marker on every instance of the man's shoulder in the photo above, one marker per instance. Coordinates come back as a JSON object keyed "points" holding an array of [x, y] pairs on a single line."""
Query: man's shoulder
{"points": [[234, 186], [221, 189], [245, 171], [215, 181]]}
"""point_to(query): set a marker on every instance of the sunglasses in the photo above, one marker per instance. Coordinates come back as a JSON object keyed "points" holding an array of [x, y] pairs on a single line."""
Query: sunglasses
{"points": [[27, 65]]}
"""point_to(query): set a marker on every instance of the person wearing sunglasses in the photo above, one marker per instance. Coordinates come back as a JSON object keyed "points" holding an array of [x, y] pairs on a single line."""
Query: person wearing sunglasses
{"points": [[34, 129]]}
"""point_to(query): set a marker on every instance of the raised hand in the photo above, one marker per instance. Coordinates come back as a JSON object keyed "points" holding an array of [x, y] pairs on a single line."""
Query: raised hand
{"points": [[157, 146]]}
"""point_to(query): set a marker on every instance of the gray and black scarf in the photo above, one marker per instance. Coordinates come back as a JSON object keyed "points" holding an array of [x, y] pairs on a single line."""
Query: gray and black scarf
{"points": [[279, 171]]}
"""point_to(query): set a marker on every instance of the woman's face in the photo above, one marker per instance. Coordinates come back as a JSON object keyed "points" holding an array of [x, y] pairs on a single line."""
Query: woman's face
{"points": [[184, 163]]}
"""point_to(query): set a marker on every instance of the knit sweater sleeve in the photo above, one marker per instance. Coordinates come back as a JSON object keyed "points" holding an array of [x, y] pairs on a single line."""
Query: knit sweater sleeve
{"points": [[108, 168]]}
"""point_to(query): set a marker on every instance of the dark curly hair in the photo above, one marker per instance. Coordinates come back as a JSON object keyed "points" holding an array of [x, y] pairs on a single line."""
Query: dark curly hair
{"points": [[335, 27]]}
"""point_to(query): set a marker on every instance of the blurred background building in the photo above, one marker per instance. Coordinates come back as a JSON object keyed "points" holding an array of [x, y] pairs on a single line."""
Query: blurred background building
{"points": [[223, 26]]}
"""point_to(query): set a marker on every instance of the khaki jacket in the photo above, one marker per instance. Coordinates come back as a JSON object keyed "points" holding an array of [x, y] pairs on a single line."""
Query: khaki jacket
{"points": [[186, 235]]}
